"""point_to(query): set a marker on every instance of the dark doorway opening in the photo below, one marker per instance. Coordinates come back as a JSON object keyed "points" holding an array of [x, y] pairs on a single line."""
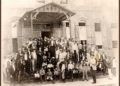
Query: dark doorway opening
{"points": [[46, 34]]}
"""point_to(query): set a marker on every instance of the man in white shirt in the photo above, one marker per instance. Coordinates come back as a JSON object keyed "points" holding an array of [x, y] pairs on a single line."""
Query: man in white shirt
{"points": [[62, 56], [63, 71], [34, 60], [93, 65]]}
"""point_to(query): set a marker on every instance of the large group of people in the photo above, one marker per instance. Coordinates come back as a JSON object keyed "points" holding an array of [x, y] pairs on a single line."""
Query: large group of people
{"points": [[51, 59]]}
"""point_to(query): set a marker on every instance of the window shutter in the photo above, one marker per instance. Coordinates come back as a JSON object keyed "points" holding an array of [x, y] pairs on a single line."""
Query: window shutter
{"points": [[114, 44]]}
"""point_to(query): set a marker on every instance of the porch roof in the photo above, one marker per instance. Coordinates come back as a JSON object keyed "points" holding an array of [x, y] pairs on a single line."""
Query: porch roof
{"points": [[50, 12]]}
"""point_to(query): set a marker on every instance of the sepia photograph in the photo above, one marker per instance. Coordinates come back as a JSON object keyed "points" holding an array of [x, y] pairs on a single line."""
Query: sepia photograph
{"points": [[60, 43]]}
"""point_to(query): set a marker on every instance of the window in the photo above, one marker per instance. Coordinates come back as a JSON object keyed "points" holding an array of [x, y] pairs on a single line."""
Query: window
{"points": [[114, 44], [67, 24], [113, 25], [99, 46], [81, 24], [97, 27]]}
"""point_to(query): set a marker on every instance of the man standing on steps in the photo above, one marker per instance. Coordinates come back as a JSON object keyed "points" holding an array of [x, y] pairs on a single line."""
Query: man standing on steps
{"points": [[93, 64]]}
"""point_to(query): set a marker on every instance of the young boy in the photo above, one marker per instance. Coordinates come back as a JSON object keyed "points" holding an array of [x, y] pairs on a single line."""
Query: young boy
{"points": [[75, 72], [36, 75], [70, 69], [42, 74], [49, 75], [56, 73]]}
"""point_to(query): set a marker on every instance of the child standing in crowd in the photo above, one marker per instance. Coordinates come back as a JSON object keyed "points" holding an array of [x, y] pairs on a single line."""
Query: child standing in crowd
{"points": [[75, 72], [70, 69], [56, 74], [37, 75], [49, 75], [42, 74]]}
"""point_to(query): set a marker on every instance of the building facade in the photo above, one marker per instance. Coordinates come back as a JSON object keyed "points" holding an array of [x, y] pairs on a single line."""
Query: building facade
{"points": [[53, 20]]}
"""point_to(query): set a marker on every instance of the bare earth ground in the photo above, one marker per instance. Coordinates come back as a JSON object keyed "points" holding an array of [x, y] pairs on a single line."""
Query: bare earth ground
{"points": [[101, 81]]}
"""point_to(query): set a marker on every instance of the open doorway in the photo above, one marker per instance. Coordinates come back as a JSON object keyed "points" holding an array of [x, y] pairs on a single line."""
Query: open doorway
{"points": [[46, 34]]}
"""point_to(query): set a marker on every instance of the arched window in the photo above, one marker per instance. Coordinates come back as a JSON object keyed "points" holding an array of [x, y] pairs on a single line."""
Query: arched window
{"points": [[82, 21], [81, 31]]}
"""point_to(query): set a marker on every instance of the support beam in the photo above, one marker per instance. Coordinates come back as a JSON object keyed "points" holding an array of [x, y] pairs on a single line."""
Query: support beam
{"points": [[62, 15], [31, 25]]}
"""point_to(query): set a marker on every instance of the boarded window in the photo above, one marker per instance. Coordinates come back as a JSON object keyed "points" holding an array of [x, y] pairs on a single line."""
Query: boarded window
{"points": [[67, 24], [97, 27], [81, 24], [114, 44]]}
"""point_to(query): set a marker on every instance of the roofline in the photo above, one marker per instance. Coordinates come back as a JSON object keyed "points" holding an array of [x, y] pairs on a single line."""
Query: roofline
{"points": [[56, 5], [46, 5]]}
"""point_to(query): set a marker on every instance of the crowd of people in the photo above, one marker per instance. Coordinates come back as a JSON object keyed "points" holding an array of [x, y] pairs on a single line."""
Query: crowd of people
{"points": [[51, 59]]}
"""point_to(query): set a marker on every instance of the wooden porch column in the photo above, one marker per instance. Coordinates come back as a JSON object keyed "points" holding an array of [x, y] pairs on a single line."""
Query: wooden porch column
{"points": [[70, 27], [63, 34], [31, 26]]}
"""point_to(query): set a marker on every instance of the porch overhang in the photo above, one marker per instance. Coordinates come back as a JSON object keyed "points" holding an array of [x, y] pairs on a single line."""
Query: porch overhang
{"points": [[48, 13]]}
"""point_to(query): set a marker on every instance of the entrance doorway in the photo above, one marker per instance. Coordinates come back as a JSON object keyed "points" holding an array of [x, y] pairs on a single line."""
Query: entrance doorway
{"points": [[46, 34]]}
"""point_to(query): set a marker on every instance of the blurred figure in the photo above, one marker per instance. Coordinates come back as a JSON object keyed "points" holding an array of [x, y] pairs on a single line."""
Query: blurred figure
{"points": [[42, 74], [70, 69], [93, 64]]}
